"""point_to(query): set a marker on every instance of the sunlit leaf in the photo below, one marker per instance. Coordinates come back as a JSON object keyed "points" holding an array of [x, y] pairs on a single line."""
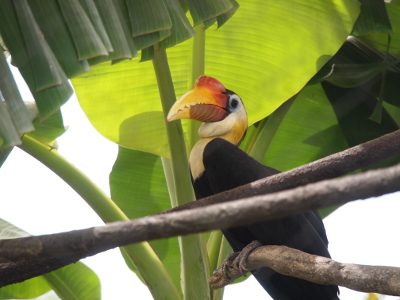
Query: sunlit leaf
{"points": [[253, 61]]}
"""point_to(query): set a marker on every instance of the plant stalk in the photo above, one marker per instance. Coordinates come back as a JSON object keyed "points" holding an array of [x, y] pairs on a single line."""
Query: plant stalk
{"points": [[194, 271], [197, 66], [142, 255]]}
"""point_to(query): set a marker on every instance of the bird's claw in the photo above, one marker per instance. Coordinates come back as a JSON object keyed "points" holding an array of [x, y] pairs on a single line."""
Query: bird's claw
{"points": [[228, 263], [241, 259], [238, 259]]}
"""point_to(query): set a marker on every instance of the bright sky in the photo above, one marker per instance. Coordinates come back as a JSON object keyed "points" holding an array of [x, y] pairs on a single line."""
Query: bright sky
{"points": [[363, 232]]}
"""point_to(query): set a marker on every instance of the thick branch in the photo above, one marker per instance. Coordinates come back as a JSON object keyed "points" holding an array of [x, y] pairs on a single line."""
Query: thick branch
{"points": [[318, 269], [82, 243], [23, 270], [332, 166]]}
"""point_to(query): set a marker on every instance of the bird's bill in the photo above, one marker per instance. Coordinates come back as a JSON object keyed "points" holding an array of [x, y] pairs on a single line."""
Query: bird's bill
{"points": [[206, 102]]}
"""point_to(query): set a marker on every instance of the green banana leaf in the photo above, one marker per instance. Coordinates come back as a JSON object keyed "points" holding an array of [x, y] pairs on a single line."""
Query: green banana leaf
{"points": [[138, 187], [122, 101], [249, 54], [81, 33], [379, 40]]}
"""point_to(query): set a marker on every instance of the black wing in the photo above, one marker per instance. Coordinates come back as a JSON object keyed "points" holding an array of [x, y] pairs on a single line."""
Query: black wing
{"points": [[227, 167]]}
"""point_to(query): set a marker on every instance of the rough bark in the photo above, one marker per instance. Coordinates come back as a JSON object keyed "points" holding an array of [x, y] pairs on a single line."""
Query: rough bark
{"points": [[82, 243], [318, 269], [329, 167]]}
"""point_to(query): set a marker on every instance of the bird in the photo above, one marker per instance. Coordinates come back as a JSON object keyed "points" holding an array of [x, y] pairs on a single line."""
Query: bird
{"points": [[217, 164]]}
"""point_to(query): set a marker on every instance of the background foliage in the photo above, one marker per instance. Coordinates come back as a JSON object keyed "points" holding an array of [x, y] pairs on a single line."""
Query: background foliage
{"points": [[309, 90]]}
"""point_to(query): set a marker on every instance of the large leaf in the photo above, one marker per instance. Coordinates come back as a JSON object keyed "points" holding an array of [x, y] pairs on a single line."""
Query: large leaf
{"points": [[249, 54], [373, 18], [58, 36], [320, 135], [353, 108], [30, 43], [138, 187], [380, 40]]}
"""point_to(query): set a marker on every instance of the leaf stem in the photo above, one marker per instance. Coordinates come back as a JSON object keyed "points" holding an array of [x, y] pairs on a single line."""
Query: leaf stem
{"points": [[142, 255], [194, 271]]}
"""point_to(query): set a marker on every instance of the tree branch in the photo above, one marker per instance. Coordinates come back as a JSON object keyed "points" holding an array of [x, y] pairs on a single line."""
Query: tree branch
{"points": [[82, 243], [332, 166], [318, 269]]}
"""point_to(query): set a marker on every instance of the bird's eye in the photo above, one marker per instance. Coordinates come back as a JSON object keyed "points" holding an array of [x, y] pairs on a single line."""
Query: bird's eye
{"points": [[234, 102]]}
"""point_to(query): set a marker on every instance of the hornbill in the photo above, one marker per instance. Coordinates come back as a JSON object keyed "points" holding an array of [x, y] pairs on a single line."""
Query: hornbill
{"points": [[217, 165]]}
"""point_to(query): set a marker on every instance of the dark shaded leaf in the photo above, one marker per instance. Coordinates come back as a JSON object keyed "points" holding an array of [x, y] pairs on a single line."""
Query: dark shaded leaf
{"points": [[147, 54], [353, 107], [380, 40], [116, 29], [9, 91], [48, 100], [354, 75], [46, 131], [319, 136], [87, 43], [222, 19], [148, 16], [181, 28], [205, 10], [391, 87], [57, 36], [150, 39], [373, 18], [393, 111], [93, 14], [8, 134], [46, 70], [354, 64], [4, 153]]}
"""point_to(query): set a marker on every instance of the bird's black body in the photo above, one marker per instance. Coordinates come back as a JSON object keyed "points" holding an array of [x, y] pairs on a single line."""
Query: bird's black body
{"points": [[217, 165], [227, 167]]}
